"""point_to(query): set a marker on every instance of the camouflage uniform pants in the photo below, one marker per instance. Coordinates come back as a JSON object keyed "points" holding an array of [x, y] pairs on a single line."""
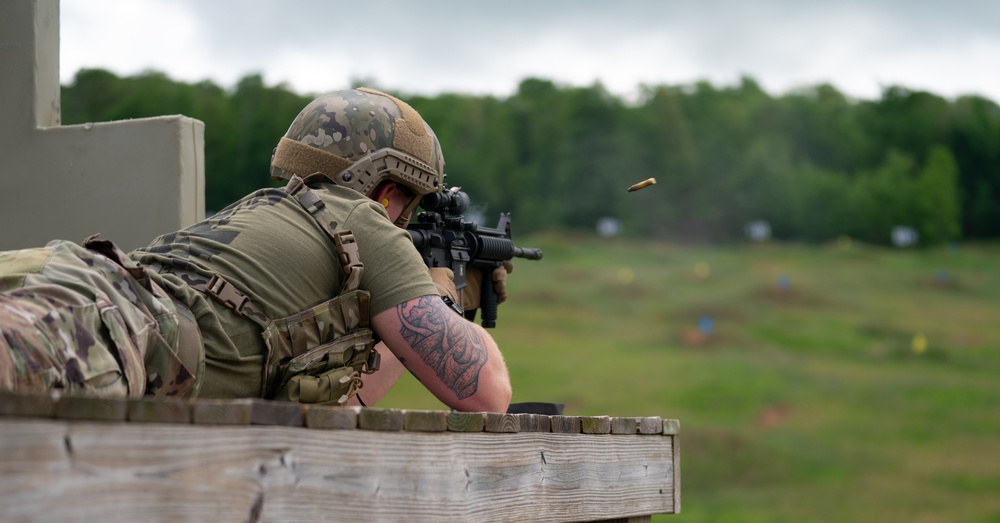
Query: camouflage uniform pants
{"points": [[86, 319]]}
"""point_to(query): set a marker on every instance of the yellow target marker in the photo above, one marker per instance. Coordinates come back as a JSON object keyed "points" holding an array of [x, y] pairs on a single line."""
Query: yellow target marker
{"points": [[702, 270], [919, 344], [626, 276]]}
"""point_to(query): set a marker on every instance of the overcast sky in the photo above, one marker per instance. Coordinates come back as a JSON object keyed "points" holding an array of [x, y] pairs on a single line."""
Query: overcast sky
{"points": [[950, 47]]}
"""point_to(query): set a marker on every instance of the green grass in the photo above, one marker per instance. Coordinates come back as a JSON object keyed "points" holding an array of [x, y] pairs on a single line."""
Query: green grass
{"points": [[804, 404]]}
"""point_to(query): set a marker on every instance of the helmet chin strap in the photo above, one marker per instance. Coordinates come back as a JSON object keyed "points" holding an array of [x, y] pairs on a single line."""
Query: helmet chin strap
{"points": [[404, 217]]}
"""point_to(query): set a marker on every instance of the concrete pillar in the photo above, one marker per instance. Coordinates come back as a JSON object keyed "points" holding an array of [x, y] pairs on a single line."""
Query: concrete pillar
{"points": [[130, 181]]}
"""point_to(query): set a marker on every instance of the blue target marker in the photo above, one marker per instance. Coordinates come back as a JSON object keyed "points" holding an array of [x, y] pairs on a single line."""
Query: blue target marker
{"points": [[706, 325]]}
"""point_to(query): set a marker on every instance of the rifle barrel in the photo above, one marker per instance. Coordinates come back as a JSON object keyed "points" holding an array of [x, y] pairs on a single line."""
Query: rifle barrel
{"points": [[528, 253]]}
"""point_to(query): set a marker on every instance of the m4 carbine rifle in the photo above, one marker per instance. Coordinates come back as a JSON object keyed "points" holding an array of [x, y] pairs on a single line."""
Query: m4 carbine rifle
{"points": [[445, 239]]}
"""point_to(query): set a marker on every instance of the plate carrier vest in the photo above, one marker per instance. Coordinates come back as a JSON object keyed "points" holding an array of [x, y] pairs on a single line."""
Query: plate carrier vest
{"points": [[319, 354]]}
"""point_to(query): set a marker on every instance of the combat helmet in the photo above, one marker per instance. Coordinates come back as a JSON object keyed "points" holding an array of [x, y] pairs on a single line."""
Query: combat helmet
{"points": [[360, 138]]}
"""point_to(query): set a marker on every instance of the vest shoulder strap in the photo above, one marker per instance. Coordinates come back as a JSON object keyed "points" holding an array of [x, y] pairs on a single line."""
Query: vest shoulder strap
{"points": [[343, 239]]}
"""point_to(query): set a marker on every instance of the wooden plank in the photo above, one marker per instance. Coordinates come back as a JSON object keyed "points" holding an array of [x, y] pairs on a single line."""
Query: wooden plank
{"points": [[38, 405], [651, 425], [533, 422], [466, 421], [543, 422], [380, 419], [90, 408], [56, 470], [222, 412], [497, 422], [676, 447], [31, 450], [159, 410], [425, 420], [265, 412], [624, 425], [565, 424], [595, 425], [326, 417]]}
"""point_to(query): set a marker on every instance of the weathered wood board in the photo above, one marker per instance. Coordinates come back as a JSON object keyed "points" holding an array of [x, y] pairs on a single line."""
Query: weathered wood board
{"points": [[55, 469]]}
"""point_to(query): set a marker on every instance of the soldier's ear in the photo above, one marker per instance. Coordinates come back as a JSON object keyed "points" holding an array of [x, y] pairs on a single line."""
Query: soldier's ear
{"points": [[381, 193]]}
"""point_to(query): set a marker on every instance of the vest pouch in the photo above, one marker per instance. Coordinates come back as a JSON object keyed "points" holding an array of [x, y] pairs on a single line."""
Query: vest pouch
{"points": [[335, 386], [316, 340], [329, 373]]}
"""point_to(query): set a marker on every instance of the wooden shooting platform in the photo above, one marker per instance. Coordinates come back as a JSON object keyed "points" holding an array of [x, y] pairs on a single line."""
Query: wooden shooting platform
{"points": [[87, 459]]}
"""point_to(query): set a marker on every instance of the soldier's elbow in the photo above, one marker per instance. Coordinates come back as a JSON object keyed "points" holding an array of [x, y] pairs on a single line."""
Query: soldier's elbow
{"points": [[493, 395], [501, 398]]}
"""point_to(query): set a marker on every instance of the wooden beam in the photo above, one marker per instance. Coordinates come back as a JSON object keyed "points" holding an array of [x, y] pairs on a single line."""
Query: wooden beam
{"points": [[565, 424], [159, 411], [75, 458], [57, 470], [596, 425], [324, 417], [466, 421], [496, 422], [425, 420]]}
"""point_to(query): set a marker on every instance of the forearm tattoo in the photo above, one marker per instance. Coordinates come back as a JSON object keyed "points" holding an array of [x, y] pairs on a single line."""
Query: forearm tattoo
{"points": [[448, 344]]}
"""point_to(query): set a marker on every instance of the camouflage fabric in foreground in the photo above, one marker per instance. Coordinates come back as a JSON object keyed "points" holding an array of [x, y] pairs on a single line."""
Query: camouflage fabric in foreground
{"points": [[75, 319]]}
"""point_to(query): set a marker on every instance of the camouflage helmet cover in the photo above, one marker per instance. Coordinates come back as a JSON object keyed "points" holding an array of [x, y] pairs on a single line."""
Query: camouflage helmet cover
{"points": [[359, 138]]}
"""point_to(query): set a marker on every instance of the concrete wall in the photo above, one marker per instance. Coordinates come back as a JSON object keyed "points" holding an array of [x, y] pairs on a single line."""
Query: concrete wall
{"points": [[130, 181]]}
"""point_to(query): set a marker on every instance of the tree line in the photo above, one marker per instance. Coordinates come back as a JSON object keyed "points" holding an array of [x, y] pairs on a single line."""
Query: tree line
{"points": [[814, 163]]}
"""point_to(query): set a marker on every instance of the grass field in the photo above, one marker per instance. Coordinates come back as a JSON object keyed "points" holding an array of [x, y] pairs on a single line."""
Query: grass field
{"points": [[827, 383]]}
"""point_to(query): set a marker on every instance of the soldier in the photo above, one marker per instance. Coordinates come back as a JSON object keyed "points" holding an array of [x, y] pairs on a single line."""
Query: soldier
{"points": [[305, 293]]}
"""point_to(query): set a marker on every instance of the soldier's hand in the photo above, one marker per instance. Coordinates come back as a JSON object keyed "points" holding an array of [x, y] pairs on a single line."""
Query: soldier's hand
{"points": [[444, 280], [500, 280], [472, 292]]}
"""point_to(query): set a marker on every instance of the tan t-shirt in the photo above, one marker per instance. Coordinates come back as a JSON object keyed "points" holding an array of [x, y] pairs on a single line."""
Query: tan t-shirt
{"points": [[269, 247]]}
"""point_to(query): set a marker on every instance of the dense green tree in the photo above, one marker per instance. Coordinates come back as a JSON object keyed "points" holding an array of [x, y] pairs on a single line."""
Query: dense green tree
{"points": [[937, 197], [814, 163], [822, 127], [260, 116], [884, 198], [975, 143], [662, 147]]}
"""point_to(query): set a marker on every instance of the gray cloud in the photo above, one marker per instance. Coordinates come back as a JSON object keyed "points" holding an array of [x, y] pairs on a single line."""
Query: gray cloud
{"points": [[488, 47]]}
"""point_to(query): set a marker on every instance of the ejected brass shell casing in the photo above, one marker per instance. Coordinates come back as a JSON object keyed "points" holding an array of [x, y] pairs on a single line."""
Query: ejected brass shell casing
{"points": [[642, 185]]}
